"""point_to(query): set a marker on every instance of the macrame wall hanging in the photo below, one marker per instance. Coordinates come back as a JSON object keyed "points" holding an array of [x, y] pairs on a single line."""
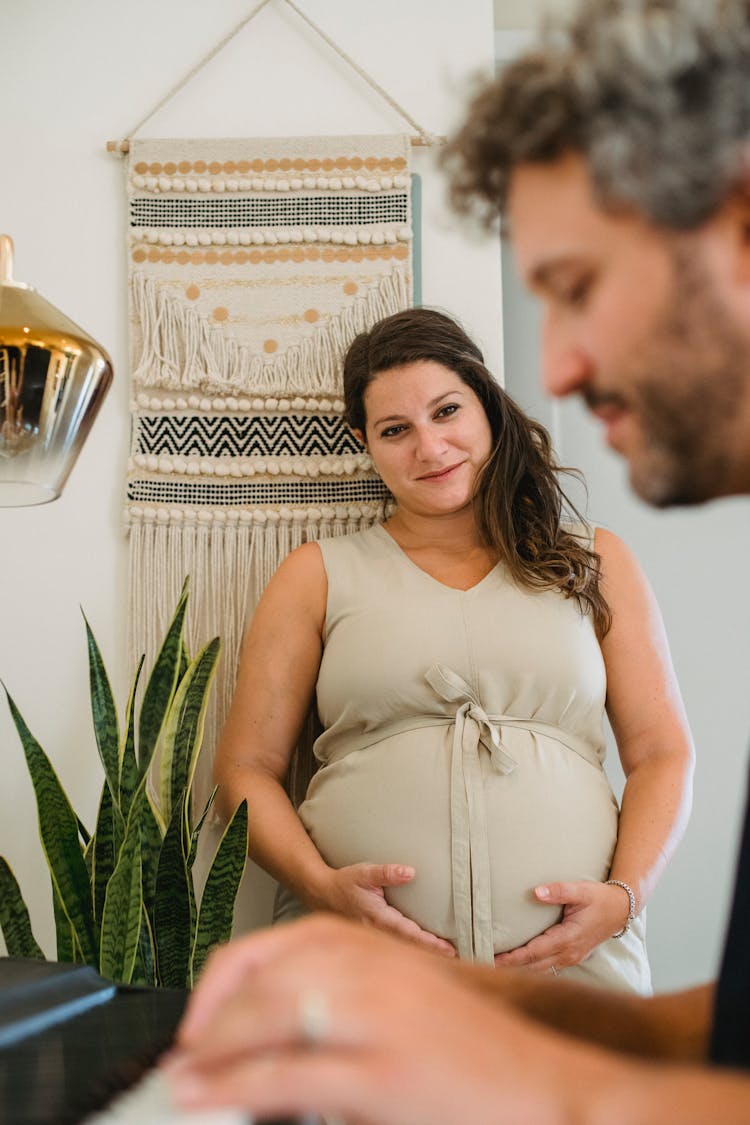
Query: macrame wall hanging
{"points": [[252, 266]]}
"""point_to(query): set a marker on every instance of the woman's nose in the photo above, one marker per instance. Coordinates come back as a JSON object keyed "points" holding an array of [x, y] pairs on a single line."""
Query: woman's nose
{"points": [[429, 442]]}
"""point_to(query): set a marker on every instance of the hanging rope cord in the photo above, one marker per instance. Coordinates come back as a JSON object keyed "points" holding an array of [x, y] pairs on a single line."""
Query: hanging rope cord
{"points": [[426, 137]]}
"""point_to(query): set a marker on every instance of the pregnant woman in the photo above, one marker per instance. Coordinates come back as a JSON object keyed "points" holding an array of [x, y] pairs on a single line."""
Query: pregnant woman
{"points": [[461, 656]]}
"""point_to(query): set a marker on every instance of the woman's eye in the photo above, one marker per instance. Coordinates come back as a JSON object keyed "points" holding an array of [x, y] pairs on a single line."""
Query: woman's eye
{"points": [[448, 409], [392, 431]]}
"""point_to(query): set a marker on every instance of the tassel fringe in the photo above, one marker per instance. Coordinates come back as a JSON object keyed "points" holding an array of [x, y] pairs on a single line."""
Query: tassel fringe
{"points": [[181, 351]]}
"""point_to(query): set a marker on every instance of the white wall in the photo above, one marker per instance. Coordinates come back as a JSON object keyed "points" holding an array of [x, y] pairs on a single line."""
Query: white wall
{"points": [[526, 13], [73, 76], [697, 561]]}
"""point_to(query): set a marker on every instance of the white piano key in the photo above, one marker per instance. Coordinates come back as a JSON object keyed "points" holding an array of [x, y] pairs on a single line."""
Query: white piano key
{"points": [[149, 1103]]}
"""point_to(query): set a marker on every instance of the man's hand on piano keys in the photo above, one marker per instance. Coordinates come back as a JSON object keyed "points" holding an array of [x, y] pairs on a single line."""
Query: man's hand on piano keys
{"points": [[327, 1016]]}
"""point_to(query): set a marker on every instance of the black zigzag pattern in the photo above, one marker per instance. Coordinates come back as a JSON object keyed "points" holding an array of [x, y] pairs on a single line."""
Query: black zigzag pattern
{"points": [[255, 435]]}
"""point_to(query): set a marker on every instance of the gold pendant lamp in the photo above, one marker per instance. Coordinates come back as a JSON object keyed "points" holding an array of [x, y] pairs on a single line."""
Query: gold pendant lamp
{"points": [[53, 379]]}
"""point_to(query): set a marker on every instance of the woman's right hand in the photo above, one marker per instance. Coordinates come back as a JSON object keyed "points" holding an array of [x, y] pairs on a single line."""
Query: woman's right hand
{"points": [[358, 891]]}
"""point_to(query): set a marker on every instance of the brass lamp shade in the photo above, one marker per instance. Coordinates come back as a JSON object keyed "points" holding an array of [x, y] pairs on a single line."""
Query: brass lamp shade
{"points": [[53, 379]]}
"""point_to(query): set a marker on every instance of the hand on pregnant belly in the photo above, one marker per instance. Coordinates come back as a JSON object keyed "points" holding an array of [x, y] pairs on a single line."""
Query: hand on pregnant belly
{"points": [[592, 913], [358, 891]]}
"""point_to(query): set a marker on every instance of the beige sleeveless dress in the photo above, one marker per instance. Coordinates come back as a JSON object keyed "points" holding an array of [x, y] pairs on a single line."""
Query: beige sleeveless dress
{"points": [[463, 736]]}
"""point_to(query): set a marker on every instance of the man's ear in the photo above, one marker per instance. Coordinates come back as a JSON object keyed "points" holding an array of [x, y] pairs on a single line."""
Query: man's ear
{"points": [[738, 209]]}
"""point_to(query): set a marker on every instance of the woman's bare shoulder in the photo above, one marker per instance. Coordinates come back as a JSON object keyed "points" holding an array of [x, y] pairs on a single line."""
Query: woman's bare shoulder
{"points": [[299, 585], [304, 560], [618, 561]]}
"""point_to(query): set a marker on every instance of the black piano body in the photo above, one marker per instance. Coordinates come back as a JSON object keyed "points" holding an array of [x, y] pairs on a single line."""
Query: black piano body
{"points": [[88, 1051]]}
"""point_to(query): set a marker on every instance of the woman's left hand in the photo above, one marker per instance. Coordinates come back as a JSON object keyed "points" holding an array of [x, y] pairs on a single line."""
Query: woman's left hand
{"points": [[592, 912]]}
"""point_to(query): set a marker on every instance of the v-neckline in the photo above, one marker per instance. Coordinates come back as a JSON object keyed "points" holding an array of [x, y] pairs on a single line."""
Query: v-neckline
{"points": [[430, 577]]}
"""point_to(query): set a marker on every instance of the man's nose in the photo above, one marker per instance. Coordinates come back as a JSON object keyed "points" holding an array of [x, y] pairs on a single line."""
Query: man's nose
{"points": [[566, 367]]}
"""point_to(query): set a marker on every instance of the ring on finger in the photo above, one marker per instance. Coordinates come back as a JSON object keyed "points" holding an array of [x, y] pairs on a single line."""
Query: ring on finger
{"points": [[313, 1017]]}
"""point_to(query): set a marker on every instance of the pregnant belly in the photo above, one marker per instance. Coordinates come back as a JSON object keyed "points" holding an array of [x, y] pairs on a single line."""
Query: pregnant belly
{"points": [[553, 818]]}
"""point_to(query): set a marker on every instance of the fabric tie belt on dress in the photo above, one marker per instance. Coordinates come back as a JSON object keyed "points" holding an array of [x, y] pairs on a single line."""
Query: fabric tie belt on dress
{"points": [[470, 853]]}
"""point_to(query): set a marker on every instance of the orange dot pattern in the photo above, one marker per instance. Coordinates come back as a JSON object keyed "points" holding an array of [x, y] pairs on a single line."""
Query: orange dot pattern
{"points": [[270, 257], [221, 313], [311, 315], [192, 292], [231, 167]]}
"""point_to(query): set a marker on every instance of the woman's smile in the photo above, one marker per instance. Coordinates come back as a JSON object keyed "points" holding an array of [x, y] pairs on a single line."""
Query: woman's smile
{"points": [[441, 474]]}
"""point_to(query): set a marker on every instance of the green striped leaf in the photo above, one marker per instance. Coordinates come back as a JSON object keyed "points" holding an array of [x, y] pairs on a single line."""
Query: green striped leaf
{"points": [[67, 950], [145, 962], [161, 685], [88, 855], [184, 661], [83, 832], [183, 731], [216, 913], [151, 842], [129, 772], [121, 918], [197, 830], [58, 830], [104, 713], [110, 832], [172, 935], [14, 917], [193, 919]]}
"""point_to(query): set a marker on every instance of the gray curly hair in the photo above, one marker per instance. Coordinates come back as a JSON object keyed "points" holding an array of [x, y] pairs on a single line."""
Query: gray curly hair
{"points": [[654, 94]]}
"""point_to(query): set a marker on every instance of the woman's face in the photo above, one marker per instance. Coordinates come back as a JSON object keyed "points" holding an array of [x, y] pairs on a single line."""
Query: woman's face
{"points": [[428, 436]]}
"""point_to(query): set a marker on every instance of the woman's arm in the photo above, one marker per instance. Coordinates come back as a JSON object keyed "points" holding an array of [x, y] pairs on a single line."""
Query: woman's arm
{"points": [[656, 752], [649, 724], [275, 686]]}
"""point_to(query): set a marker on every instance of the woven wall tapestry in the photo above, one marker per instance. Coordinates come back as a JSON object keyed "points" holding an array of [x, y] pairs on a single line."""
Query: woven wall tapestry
{"points": [[252, 266]]}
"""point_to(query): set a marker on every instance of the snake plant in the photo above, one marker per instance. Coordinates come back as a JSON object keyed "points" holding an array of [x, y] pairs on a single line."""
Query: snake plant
{"points": [[123, 896]]}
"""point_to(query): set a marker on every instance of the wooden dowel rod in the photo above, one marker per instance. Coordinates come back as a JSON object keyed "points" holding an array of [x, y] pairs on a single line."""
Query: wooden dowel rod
{"points": [[121, 148]]}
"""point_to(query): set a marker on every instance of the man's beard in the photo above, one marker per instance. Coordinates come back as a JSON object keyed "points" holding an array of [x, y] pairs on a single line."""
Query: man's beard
{"points": [[687, 389]]}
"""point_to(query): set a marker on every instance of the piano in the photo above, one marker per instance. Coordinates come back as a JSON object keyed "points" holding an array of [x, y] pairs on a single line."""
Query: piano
{"points": [[78, 1050]]}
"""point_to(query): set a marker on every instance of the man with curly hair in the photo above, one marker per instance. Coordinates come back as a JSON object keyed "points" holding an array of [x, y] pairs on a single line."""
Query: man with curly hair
{"points": [[617, 154]]}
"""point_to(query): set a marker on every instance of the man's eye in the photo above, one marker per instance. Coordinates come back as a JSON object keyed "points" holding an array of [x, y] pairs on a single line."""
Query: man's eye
{"points": [[577, 294]]}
